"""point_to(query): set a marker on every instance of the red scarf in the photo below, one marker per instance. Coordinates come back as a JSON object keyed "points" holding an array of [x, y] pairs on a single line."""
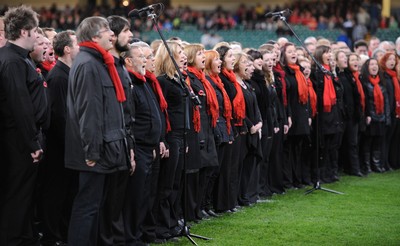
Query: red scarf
{"points": [[378, 95], [160, 96], [212, 101], [278, 68], [227, 101], [329, 96], [137, 75], [196, 110], [313, 97], [48, 66], [301, 83], [360, 89], [112, 71], [239, 105], [396, 86]]}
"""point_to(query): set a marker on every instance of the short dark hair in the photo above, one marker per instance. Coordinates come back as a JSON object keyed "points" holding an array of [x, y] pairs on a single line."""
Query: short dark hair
{"points": [[117, 23], [17, 19], [359, 43], [61, 40]]}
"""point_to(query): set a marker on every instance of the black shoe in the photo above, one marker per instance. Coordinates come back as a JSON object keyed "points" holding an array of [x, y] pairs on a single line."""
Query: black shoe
{"points": [[212, 214], [60, 243], [176, 231], [205, 215]]}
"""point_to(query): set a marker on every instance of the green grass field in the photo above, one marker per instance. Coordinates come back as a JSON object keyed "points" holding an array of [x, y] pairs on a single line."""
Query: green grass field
{"points": [[367, 214]]}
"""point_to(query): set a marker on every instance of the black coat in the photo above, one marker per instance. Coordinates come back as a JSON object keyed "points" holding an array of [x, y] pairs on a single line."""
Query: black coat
{"points": [[208, 151], [351, 96], [221, 131], [174, 95], [329, 122], [147, 125], [370, 105], [262, 93], [20, 99], [299, 112], [57, 84], [95, 127], [231, 91]]}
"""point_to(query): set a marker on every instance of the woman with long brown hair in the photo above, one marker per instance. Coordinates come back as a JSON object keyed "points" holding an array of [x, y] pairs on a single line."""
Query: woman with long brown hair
{"points": [[329, 122], [377, 112]]}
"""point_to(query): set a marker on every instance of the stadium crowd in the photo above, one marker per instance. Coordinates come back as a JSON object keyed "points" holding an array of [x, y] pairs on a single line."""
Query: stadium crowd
{"points": [[106, 141]]}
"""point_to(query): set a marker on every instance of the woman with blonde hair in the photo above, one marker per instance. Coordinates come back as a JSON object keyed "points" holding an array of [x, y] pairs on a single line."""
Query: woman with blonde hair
{"points": [[167, 204], [250, 132]]}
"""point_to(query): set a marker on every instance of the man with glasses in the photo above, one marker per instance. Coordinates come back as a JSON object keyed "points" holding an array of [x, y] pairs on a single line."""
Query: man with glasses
{"points": [[95, 136]]}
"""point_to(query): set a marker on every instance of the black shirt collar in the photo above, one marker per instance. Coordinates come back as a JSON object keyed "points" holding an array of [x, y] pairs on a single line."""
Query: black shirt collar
{"points": [[21, 51]]}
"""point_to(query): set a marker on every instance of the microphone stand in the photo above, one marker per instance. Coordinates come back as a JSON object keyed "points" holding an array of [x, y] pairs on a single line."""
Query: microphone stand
{"points": [[196, 101], [317, 185]]}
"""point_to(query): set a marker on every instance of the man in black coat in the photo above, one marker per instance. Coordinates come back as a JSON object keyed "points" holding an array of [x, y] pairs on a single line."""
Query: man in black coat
{"points": [[58, 183], [95, 136], [147, 128], [20, 101]]}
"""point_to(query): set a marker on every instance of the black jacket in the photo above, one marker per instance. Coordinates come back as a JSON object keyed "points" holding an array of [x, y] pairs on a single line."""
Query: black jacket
{"points": [[147, 126], [95, 127], [370, 105], [57, 82], [299, 112], [329, 122], [20, 98], [221, 131], [175, 96], [351, 96], [208, 151]]}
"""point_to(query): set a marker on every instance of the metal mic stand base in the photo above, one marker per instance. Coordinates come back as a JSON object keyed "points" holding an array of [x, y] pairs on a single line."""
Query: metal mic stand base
{"points": [[317, 186], [186, 233]]}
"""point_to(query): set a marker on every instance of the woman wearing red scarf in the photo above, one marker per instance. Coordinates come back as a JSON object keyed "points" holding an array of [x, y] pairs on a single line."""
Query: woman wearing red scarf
{"points": [[218, 196], [330, 124], [235, 94], [299, 112], [167, 204], [377, 112], [208, 160], [353, 111], [251, 152], [391, 145]]}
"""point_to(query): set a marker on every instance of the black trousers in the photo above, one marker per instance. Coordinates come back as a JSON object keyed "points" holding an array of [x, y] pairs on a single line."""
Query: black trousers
{"points": [[137, 195], [292, 165], [91, 217], [208, 176], [169, 185], [394, 147], [58, 189], [238, 155], [17, 187], [349, 157], [263, 186], [221, 194], [149, 223], [275, 172]]}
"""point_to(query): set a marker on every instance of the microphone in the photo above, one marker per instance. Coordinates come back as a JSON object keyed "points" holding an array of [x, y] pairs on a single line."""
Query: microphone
{"points": [[143, 11], [279, 13]]}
